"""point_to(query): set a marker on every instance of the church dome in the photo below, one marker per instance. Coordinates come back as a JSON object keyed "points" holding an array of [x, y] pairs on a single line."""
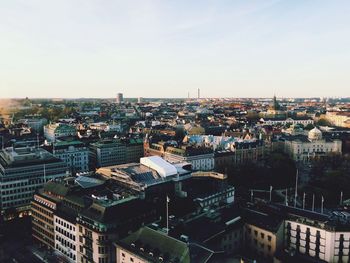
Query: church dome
{"points": [[315, 134]]}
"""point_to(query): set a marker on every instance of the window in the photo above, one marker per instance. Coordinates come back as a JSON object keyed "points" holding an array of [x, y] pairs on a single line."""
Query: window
{"points": [[269, 238], [262, 235], [255, 233]]}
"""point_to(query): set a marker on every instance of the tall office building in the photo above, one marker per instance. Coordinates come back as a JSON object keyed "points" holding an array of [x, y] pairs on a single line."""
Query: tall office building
{"points": [[119, 99], [22, 172]]}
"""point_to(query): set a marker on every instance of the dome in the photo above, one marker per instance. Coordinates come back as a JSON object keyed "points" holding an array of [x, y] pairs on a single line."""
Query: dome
{"points": [[315, 134]]}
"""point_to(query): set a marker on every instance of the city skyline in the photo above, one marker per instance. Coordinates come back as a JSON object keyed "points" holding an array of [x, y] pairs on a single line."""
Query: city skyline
{"points": [[75, 49]]}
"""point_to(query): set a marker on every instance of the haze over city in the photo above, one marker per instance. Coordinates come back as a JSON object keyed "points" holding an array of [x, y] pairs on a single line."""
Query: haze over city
{"points": [[169, 48]]}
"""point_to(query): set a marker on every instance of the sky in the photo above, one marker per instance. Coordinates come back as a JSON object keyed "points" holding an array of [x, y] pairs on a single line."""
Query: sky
{"points": [[167, 48]]}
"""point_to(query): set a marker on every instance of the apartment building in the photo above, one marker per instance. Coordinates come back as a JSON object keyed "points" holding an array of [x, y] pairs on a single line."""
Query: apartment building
{"points": [[263, 233], [318, 236], [65, 233], [42, 212]]}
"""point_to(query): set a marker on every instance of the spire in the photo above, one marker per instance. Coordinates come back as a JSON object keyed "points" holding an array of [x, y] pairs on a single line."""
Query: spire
{"points": [[275, 104]]}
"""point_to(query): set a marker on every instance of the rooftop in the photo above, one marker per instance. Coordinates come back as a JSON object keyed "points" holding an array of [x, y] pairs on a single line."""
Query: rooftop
{"points": [[25, 156], [156, 246], [157, 163], [152, 170]]}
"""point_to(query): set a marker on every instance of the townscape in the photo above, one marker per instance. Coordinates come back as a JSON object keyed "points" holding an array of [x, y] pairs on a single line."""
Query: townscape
{"points": [[162, 131], [175, 180]]}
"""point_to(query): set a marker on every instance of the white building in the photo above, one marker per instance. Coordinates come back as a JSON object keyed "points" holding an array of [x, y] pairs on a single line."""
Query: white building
{"points": [[74, 153], [302, 148], [338, 118], [199, 162], [65, 237], [319, 237], [277, 121], [104, 126], [58, 130]]}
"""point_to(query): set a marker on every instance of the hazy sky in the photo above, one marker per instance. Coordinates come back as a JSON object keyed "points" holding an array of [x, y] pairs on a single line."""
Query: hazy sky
{"points": [[231, 48]]}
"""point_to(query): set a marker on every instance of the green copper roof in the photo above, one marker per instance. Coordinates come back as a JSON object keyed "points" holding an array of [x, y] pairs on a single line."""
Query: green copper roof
{"points": [[155, 240]]}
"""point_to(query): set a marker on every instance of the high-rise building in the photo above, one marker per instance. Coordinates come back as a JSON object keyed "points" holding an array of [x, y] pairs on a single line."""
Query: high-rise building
{"points": [[119, 99], [139, 100]]}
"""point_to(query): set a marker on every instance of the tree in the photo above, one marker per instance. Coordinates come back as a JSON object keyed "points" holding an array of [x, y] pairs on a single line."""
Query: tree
{"points": [[323, 122], [309, 127], [252, 116], [180, 133]]}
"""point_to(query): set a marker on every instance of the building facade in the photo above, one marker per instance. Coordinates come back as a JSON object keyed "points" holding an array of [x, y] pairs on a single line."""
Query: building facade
{"points": [[200, 160], [317, 238], [284, 121], [42, 210], [35, 123], [302, 148], [22, 172], [339, 119], [114, 152], [74, 153], [65, 236], [56, 130]]}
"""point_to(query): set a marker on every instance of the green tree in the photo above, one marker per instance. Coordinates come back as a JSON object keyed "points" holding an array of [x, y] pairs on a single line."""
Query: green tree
{"points": [[309, 127], [323, 122]]}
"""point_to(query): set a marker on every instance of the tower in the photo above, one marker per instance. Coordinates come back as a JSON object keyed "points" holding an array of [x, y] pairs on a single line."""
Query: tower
{"points": [[119, 99]]}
